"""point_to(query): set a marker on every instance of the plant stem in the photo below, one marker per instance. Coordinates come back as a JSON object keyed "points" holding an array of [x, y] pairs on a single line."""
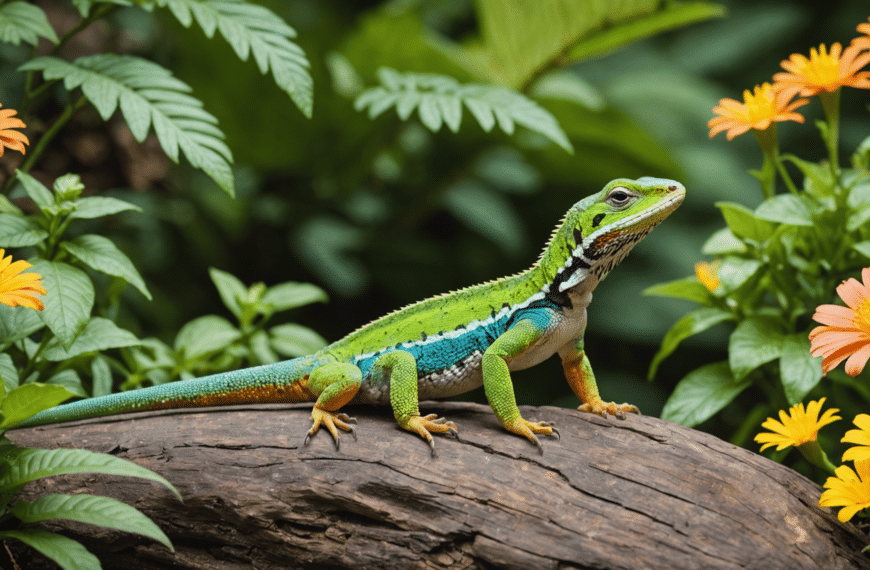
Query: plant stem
{"points": [[831, 106]]}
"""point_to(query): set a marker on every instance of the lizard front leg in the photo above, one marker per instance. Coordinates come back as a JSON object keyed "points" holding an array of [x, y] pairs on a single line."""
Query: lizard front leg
{"points": [[578, 372], [334, 384], [498, 385], [400, 369]]}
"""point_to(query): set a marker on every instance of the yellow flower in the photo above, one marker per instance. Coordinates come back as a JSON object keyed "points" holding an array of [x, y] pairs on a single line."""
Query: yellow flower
{"points": [[823, 71], [17, 288], [848, 490], [708, 274], [797, 427], [759, 109], [846, 333], [860, 436], [8, 137]]}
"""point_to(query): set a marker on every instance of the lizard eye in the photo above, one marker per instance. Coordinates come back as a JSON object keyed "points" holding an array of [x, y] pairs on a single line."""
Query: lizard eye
{"points": [[619, 197]]}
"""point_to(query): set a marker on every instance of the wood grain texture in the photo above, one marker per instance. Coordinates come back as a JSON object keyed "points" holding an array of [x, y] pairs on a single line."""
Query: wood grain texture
{"points": [[641, 493]]}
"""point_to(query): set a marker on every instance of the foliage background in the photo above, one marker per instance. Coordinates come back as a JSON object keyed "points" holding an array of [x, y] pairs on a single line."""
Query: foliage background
{"points": [[384, 213]]}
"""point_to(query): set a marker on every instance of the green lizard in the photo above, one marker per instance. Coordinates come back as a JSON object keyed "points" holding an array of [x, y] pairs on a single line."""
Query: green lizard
{"points": [[447, 344]]}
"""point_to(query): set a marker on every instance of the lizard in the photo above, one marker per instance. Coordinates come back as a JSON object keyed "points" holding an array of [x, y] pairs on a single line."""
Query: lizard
{"points": [[447, 344]]}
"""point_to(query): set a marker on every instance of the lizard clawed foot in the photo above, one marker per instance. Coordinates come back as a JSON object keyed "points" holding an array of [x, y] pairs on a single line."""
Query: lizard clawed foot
{"points": [[603, 408], [332, 421], [528, 430], [424, 425]]}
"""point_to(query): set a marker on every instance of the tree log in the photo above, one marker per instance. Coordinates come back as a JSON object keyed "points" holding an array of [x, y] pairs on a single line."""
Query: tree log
{"points": [[639, 493]]}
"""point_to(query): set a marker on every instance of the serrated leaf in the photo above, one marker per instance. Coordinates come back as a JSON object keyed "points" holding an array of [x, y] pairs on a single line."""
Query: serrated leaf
{"points": [[66, 552], [439, 100], [205, 335], [253, 30], [99, 334], [755, 341], [69, 301], [692, 323], [102, 511], [24, 22], [295, 340], [18, 231], [99, 206], [799, 370], [33, 464], [290, 295], [29, 399], [138, 86], [101, 254], [230, 288], [703, 392]]}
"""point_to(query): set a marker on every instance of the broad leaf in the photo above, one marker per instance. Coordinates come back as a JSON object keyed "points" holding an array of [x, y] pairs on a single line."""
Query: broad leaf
{"points": [[703, 392], [147, 94], [687, 288], [30, 399], [295, 340], [69, 379], [102, 511], [18, 231], [8, 373], [252, 29], [99, 334], [84, 6], [785, 209], [722, 242], [205, 335], [69, 301], [230, 288], [98, 206], [102, 376], [42, 196], [100, 253], [17, 323], [692, 323], [66, 552], [755, 341], [486, 212], [744, 223], [24, 22], [734, 272], [439, 100], [798, 369], [33, 464], [290, 295]]}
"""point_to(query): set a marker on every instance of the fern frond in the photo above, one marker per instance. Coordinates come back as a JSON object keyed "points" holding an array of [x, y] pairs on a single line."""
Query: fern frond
{"points": [[147, 94], [438, 100], [252, 29], [24, 22]]}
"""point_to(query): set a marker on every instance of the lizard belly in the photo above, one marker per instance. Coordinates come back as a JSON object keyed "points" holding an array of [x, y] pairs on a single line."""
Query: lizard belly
{"points": [[565, 328], [461, 377]]}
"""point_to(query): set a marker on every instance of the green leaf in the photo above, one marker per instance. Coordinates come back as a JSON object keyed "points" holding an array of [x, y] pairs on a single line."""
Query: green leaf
{"points": [[862, 247], [36, 190], [147, 94], [99, 334], [8, 373], [253, 29], [703, 392], [755, 341], [66, 552], [518, 37], [798, 369], [102, 375], [722, 242], [736, 271], [785, 209], [33, 464], [69, 379], [98, 206], [290, 295], [672, 15], [69, 301], [692, 323], [486, 212], [205, 335], [29, 399], [687, 288], [102, 511], [101, 254], [817, 176], [744, 223], [295, 340], [230, 288], [439, 100], [84, 6], [17, 323], [18, 231], [24, 22]]}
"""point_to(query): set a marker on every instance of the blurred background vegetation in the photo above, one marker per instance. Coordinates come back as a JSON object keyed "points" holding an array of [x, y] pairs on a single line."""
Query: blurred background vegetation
{"points": [[384, 213]]}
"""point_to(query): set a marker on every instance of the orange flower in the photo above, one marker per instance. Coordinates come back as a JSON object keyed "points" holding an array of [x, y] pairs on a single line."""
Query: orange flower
{"points": [[758, 110], [823, 71], [17, 288], [846, 333], [8, 137], [708, 274], [863, 42]]}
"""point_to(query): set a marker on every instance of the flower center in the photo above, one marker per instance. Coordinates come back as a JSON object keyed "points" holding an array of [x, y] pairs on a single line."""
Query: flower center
{"points": [[862, 317], [822, 68], [760, 104]]}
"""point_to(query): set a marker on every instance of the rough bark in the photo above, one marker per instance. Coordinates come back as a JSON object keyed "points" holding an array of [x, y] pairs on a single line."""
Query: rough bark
{"points": [[638, 493]]}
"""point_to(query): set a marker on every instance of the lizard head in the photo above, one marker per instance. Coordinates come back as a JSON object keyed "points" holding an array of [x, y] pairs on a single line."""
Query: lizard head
{"points": [[600, 230]]}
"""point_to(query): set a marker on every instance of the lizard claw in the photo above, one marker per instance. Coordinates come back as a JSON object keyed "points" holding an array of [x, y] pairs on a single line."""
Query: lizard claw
{"points": [[424, 425], [528, 430], [331, 421], [602, 409]]}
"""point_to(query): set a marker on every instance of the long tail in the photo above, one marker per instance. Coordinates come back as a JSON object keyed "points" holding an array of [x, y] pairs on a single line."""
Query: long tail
{"points": [[280, 382]]}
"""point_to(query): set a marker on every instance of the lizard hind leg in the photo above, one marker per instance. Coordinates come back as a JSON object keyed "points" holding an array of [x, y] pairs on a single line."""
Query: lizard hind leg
{"points": [[335, 384], [401, 369]]}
